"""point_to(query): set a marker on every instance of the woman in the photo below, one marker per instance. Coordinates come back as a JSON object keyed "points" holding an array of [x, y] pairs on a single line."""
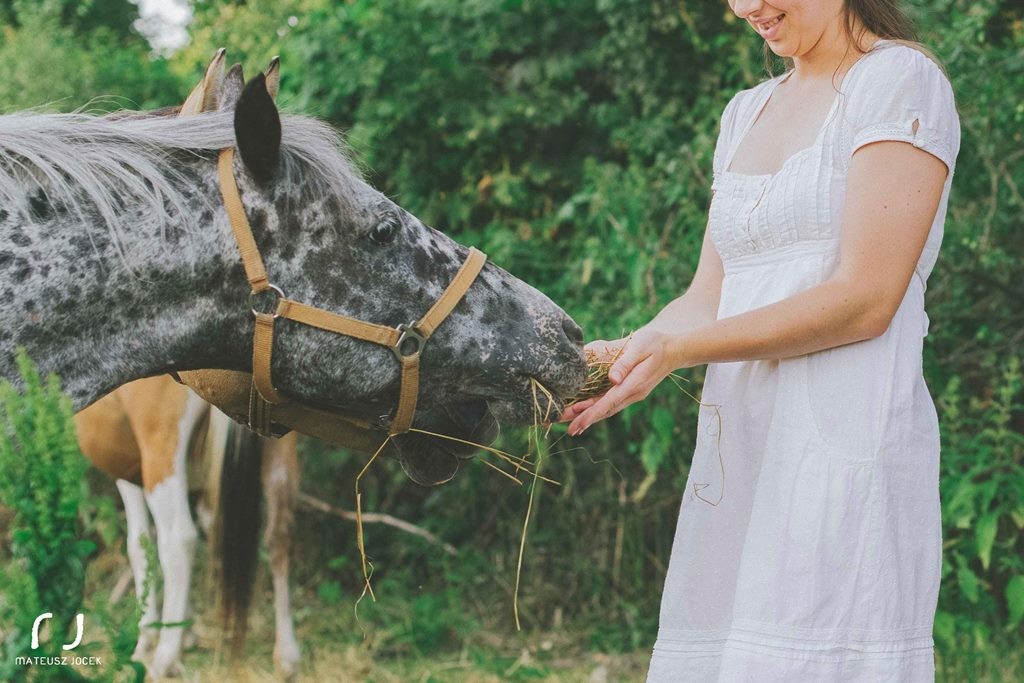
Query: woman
{"points": [[808, 546]]}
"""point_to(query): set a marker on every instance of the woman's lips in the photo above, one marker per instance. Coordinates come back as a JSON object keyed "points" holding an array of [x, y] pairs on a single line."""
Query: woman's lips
{"points": [[769, 30]]}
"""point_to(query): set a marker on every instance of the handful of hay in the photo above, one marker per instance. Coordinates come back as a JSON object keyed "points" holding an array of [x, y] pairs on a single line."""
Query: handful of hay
{"points": [[597, 375]]}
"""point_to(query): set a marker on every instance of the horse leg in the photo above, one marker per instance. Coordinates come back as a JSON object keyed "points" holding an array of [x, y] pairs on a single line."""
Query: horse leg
{"points": [[138, 528], [280, 487], [211, 455], [176, 540]]}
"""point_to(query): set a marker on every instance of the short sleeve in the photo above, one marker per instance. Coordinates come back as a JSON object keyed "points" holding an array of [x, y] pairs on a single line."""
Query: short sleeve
{"points": [[897, 87]]}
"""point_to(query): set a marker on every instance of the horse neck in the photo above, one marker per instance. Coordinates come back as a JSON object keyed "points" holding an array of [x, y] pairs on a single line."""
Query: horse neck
{"points": [[99, 313]]}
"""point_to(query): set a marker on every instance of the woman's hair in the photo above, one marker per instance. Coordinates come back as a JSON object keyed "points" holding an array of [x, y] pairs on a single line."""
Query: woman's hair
{"points": [[884, 18]]}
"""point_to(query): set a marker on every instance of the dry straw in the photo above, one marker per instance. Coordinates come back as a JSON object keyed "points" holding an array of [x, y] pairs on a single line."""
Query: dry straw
{"points": [[597, 383]]}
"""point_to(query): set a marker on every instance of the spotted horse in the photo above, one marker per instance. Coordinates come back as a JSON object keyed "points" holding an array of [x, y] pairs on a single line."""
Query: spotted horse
{"points": [[120, 260]]}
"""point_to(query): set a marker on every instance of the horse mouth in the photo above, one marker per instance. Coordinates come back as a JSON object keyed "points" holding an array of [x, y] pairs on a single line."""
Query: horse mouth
{"points": [[458, 430], [533, 404], [432, 455]]}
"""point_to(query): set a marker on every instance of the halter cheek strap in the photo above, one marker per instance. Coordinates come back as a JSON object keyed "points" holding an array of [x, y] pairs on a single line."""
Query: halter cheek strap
{"points": [[405, 341]]}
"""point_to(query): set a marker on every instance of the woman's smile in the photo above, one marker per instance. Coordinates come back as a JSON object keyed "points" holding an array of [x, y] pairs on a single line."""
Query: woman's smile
{"points": [[769, 30]]}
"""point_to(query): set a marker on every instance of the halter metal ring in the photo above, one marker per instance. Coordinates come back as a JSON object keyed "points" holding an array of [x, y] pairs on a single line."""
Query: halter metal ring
{"points": [[409, 334], [278, 295]]}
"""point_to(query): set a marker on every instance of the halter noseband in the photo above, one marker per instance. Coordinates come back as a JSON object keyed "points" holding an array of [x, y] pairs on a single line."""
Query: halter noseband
{"points": [[405, 341]]}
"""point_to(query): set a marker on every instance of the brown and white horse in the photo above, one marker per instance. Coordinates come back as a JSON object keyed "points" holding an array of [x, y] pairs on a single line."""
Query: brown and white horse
{"points": [[160, 441]]}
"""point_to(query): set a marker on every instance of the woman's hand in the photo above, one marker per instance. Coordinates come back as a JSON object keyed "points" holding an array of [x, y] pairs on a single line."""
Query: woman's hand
{"points": [[648, 357], [602, 352]]}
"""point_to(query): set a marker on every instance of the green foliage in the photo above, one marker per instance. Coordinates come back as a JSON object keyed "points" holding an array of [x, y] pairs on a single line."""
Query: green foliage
{"points": [[80, 17], [982, 494], [63, 55], [42, 482]]}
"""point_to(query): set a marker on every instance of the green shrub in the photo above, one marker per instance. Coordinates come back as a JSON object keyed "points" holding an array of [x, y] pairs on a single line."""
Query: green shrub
{"points": [[42, 482]]}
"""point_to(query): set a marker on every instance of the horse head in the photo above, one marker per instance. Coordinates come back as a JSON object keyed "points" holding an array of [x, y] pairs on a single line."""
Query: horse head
{"points": [[140, 274], [375, 261]]}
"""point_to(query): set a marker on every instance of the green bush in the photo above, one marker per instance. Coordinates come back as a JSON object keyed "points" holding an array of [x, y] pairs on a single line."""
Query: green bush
{"points": [[42, 483]]}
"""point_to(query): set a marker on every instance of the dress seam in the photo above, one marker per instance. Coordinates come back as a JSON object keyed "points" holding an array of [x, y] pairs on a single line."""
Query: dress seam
{"points": [[835, 658], [796, 632]]}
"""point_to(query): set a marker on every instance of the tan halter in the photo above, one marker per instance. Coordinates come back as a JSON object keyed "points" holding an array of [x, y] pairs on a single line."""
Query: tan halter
{"points": [[405, 341]]}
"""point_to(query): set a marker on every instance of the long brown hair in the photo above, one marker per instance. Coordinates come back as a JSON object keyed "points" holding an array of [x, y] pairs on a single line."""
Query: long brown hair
{"points": [[884, 18]]}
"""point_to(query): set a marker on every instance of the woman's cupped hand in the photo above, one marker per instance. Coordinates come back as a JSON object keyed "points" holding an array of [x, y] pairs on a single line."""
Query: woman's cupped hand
{"points": [[644, 359]]}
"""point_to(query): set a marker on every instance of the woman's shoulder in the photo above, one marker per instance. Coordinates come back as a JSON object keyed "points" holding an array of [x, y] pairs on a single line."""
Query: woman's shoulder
{"points": [[898, 92], [748, 96], [743, 102], [891, 64]]}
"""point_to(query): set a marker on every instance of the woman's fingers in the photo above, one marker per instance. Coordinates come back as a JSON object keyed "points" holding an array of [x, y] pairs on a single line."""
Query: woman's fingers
{"points": [[604, 351], [575, 409], [604, 406], [611, 402], [633, 388], [630, 357]]}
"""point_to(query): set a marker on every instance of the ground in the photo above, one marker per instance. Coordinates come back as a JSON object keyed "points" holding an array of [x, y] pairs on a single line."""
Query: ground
{"points": [[335, 651]]}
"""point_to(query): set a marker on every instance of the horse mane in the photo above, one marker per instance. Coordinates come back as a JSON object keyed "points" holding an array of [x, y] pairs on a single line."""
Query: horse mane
{"points": [[97, 165]]}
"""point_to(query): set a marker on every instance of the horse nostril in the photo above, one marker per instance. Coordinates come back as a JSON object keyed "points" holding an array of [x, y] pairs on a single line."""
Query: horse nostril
{"points": [[573, 331]]}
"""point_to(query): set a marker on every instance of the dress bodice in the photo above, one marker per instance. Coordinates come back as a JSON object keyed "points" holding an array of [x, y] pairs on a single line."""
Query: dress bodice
{"points": [[799, 208]]}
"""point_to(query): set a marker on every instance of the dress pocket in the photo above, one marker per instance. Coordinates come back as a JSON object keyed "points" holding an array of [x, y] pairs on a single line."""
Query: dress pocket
{"points": [[848, 391]]}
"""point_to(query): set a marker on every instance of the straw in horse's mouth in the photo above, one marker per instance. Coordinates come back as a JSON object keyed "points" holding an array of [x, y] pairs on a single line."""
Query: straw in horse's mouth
{"points": [[546, 405]]}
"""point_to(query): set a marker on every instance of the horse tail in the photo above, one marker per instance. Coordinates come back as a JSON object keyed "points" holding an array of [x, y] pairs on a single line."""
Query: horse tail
{"points": [[238, 526]]}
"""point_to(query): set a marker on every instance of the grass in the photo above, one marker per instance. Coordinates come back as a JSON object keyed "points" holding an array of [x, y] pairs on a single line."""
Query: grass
{"points": [[410, 635], [386, 645]]}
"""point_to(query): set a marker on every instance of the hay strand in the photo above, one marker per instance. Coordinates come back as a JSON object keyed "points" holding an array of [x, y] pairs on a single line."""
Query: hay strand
{"points": [[359, 525], [535, 431], [698, 487]]}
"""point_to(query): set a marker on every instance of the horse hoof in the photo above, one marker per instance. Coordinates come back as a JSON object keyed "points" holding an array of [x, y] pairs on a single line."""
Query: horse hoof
{"points": [[165, 667], [287, 665], [142, 648]]}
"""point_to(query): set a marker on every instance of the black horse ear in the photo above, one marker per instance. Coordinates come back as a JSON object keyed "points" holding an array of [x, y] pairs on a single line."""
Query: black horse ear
{"points": [[258, 130]]}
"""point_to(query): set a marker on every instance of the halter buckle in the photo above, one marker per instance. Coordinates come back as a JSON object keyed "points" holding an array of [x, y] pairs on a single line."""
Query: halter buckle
{"points": [[409, 334], [278, 295]]}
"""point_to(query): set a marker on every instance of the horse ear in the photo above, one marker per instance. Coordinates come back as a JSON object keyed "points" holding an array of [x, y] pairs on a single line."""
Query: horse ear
{"points": [[258, 130], [204, 96], [273, 74], [231, 88]]}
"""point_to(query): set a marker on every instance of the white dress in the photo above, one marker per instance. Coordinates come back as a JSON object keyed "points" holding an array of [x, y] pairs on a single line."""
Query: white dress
{"points": [[821, 560]]}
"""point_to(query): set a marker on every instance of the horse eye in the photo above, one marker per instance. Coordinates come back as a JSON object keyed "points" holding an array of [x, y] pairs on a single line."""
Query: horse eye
{"points": [[384, 231]]}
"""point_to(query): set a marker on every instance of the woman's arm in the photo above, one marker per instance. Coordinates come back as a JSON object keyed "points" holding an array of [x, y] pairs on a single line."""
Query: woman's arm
{"points": [[893, 191], [696, 308]]}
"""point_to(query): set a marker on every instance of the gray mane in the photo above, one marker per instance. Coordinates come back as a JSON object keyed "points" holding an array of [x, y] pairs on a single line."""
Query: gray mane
{"points": [[97, 165]]}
